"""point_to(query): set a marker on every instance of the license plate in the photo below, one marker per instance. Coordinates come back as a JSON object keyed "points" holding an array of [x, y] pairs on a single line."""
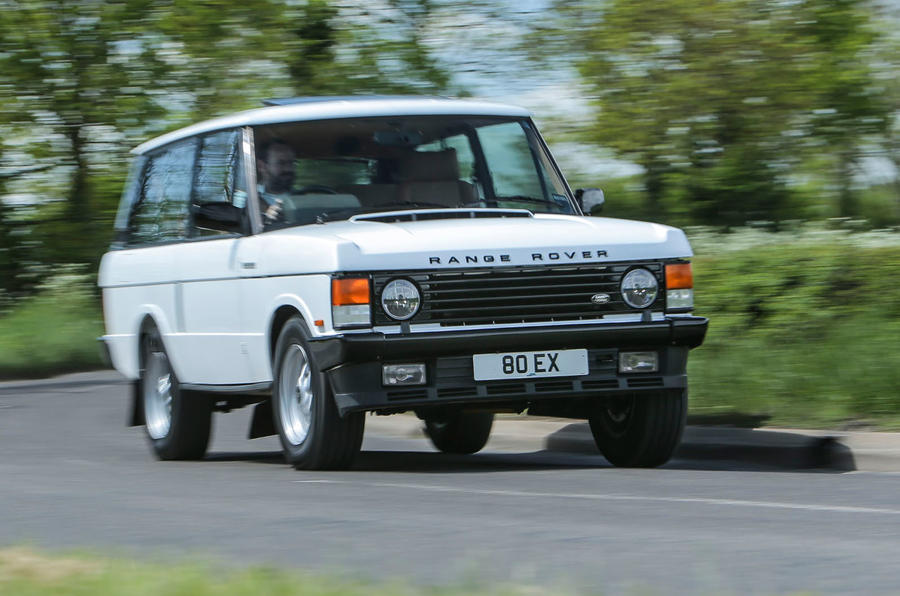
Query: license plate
{"points": [[525, 365]]}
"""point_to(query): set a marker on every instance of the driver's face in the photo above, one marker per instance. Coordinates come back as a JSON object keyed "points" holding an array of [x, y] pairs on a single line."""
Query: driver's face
{"points": [[278, 169]]}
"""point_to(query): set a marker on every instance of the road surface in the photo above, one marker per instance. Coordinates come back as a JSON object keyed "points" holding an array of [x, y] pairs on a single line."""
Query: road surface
{"points": [[73, 475]]}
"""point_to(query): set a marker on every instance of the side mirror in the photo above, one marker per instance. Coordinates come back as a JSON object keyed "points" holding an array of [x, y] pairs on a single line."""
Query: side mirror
{"points": [[590, 199]]}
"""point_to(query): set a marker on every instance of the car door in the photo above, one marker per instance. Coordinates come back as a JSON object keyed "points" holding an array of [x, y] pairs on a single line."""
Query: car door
{"points": [[211, 343]]}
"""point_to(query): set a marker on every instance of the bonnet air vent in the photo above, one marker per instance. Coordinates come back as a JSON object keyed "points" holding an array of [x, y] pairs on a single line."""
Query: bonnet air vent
{"points": [[426, 214]]}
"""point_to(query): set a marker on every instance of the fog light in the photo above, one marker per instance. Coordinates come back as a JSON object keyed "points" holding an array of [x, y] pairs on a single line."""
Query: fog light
{"points": [[638, 362], [403, 374], [678, 299]]}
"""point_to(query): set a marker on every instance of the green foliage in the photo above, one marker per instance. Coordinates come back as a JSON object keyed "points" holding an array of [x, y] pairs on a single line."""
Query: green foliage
{"points": [[626, 198], [83, 81], [54, 332], [802, 330], [803, 327], [720, 101], [879, 205]]}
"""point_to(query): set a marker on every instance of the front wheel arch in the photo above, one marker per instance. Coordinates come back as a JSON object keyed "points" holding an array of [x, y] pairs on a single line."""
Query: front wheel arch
{"points": [[329, 440], [282, 315]]}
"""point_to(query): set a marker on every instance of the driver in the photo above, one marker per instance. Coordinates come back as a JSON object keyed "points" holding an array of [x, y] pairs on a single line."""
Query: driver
{"points": [[275, 166]]}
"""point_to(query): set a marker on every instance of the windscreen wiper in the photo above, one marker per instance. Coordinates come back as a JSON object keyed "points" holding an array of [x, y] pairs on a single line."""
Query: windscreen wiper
{"points": [[524, 199]]}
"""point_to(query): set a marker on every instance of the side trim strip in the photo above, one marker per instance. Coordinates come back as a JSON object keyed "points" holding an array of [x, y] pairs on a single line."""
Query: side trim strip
{"points": [[212, 279]]}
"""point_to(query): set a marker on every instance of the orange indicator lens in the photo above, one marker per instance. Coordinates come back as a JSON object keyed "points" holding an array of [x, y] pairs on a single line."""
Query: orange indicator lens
{"points": [[679, 277], [352, 290]]}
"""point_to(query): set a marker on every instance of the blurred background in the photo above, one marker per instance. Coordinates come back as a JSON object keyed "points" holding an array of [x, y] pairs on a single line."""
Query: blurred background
{"points": [[769, 130]]}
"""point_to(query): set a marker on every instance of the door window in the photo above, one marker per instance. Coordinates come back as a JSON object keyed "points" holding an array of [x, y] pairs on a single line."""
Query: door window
{"points": [[220, 193]]}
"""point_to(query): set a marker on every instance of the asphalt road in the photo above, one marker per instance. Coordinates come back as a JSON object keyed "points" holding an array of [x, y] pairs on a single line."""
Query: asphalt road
{"points": [[73, 475]]}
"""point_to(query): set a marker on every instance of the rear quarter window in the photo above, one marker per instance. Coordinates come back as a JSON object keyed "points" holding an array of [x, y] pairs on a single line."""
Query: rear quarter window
{"points": [[161, 212]]}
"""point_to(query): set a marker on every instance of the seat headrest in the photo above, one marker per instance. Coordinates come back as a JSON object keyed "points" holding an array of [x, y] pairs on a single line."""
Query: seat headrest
{"points": [[429, 166]]}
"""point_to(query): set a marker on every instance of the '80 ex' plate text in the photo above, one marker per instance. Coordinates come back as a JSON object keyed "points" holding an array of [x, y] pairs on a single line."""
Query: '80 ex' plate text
{"points": [[523, 365]]}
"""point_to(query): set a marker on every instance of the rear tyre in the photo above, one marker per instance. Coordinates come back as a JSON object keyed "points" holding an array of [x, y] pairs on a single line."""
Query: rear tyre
{"points": [[313, 435], [460, 432], [639, 431], [178, 423]]}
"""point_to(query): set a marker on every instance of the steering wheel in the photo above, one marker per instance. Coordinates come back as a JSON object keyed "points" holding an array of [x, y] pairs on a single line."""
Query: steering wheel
{"points": [[320, 188]]}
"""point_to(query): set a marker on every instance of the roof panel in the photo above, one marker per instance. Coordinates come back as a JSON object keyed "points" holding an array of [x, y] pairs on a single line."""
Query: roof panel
{"points": [[303, 109], [288, 101]]}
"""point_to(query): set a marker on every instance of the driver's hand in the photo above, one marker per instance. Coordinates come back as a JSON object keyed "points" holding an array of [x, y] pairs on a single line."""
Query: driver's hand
{"points": [[273, 212]]}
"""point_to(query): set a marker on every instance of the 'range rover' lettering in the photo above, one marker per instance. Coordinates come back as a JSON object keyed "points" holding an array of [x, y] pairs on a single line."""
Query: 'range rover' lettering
{"points": [[470, 259], [568, 255]]}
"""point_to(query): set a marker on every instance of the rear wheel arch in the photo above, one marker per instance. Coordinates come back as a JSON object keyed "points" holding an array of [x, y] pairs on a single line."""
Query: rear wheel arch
{"points": [[136, 415], [148, 324], [177, 422]]}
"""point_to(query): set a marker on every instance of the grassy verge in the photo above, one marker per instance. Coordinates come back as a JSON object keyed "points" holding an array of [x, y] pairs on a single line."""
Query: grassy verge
{"points": [[53, 333], [25, 572], [803, 330]]}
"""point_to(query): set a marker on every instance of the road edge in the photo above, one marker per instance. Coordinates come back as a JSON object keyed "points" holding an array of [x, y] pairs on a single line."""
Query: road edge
{"points": [[785, 448]]}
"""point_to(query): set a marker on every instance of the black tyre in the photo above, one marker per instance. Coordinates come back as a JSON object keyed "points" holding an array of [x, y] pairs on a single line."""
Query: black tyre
{"points": [[639, 431], [313, 434], [178, 423], [460, 432]]}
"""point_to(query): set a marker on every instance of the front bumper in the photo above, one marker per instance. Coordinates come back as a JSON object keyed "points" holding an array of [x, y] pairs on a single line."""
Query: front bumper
{"points": [[352, 363]]}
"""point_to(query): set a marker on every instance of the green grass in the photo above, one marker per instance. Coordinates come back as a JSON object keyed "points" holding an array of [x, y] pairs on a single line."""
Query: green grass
{"points": [[53, 333], [25, 572]]}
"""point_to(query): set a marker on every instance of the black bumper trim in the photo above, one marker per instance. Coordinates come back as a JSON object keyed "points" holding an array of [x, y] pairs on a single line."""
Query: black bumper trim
{"points": [[526, 392], [333, 351]]}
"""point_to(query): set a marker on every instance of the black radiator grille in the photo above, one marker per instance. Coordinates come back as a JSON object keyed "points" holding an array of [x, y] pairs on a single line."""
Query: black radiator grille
{"points": [[514, 295]]}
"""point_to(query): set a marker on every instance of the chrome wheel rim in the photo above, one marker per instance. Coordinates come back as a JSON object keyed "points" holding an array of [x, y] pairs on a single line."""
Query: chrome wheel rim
{"points": [[295, 395], [157, 395]]}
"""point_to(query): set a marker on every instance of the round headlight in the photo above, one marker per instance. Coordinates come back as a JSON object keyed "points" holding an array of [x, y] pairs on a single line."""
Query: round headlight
{"points": [[400, 299], [639, 288]]}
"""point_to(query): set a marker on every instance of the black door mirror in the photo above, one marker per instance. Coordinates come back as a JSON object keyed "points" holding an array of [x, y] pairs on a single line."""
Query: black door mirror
{"points": [[590, 200]]}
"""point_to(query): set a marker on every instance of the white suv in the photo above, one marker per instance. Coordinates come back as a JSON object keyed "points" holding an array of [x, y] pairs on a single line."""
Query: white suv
{"points": [[411, 254]]}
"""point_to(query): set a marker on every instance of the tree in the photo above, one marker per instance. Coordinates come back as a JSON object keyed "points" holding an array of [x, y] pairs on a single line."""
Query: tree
{"points": [[852, 106], [82, 81], [9, 264], [64, 74], [719, 102]]}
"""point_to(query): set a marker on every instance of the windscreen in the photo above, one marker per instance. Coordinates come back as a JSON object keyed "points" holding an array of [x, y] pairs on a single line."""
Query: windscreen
{"points": [[309, 172]]}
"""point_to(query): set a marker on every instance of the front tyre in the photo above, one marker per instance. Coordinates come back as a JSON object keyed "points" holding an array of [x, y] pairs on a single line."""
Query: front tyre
{"points": [[313, 435], [460, 432], [178, 423], [639, 431]]}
